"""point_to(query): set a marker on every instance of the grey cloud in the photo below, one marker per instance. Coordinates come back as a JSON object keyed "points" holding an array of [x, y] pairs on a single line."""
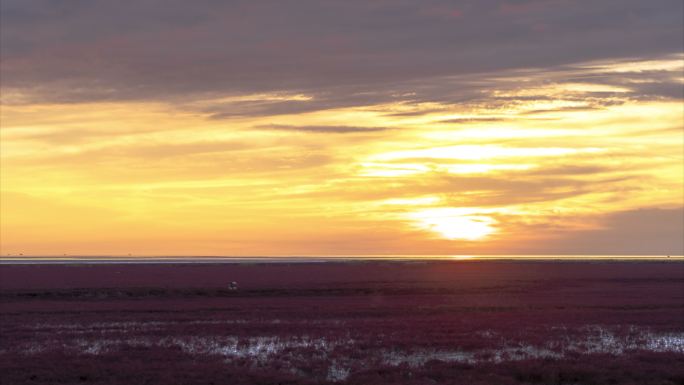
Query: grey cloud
{"points": [[637, 232], [75, 50], [645, 84], [337, 97], [665, 90]]}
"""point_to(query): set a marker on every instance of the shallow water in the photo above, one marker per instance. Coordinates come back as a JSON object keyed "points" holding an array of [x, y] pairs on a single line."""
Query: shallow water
{"points": [[107, 337]]}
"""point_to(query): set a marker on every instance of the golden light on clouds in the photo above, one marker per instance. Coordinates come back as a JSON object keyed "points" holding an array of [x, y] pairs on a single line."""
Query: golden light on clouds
{"points": [[534, 163]]}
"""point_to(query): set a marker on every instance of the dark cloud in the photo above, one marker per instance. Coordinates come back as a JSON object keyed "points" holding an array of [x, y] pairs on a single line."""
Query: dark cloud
{"points": [[665, 90], [75, 50]]}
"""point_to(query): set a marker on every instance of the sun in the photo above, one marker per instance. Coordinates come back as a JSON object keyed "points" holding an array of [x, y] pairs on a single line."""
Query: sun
{"points": [[455, 223]]}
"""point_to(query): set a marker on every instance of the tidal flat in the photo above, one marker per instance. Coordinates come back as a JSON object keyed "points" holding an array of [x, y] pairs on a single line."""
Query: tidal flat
{"points": [[358, 322]]}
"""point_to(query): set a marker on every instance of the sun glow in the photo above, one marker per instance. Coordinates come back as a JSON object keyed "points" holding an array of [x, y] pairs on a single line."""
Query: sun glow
{"points": [[456, 223], [154, 177]]}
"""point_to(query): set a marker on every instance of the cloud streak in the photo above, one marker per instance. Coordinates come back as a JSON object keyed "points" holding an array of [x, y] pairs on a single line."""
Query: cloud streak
{"points": [[323, 129]]}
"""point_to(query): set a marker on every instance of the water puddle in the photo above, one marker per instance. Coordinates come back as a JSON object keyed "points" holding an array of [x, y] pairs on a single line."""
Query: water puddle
{"points": [[105, 337]]}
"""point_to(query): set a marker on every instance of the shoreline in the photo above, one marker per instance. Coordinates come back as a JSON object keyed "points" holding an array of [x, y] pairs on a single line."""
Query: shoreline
{"points": [[116, 260]]}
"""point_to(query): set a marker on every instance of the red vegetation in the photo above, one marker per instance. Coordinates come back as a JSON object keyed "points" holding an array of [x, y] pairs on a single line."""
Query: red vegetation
{"points": [[346, 323]]}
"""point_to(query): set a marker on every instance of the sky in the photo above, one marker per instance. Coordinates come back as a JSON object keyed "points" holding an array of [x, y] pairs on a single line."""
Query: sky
{"points": [[320, 127]]}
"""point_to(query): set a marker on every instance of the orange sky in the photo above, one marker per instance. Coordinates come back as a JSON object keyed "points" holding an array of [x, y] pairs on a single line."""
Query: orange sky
{"points": [[573, 159]]}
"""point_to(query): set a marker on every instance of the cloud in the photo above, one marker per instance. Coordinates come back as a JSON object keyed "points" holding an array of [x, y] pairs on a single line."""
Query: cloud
{"points": [[648, 231], [74, 51], [324, 129], [563, 109], [473, 120], [570, 170], [65, 136]]}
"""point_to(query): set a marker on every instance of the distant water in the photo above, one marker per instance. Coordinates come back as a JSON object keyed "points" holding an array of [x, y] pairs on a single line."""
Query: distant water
{"points": [[6, 260]]}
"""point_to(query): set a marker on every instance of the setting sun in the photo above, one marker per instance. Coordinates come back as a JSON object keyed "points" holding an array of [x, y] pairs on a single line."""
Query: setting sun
{"points": [[455, 224]]}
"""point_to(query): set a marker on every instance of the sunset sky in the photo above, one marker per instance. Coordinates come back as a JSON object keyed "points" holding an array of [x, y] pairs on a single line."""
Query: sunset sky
{"points": [[314, 127]]}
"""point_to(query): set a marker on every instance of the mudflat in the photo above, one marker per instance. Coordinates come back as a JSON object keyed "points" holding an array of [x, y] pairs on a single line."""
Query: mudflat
{"points": [[453, 322]]}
